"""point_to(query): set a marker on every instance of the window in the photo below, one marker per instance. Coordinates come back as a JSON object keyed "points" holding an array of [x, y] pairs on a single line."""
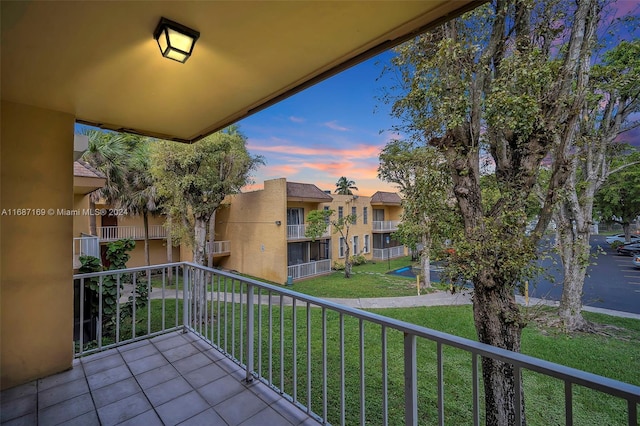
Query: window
{"points": [[295, 216], [365, 214], [353, 215], [355, 245], [378, 215], [340, 212], [341, 247], [326, 218], [366, 243]]}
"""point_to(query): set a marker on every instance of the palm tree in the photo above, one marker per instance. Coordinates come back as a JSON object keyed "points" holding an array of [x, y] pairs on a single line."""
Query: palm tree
{"points": [[344, 186], [140, 196], [107, 153]]}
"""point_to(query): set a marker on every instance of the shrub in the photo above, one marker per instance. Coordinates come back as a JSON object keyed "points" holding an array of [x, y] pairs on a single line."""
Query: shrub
{"points": [[616, 244], [338, 266], [358, 260]]}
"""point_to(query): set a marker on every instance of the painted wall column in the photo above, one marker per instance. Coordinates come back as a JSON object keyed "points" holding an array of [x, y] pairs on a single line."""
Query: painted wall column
{"points": [[36, 291]]}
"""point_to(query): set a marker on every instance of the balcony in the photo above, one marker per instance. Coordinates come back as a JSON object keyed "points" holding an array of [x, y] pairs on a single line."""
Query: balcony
{"points": [[113, 233], [86, 245], [296, 232], [219, 248], [309, 269], [213, 347], [388, 253], [385, 225]]}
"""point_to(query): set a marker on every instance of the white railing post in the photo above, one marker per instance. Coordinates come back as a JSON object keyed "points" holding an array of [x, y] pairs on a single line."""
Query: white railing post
{"points": [[185, 297], [250, 321], [410, 380]]}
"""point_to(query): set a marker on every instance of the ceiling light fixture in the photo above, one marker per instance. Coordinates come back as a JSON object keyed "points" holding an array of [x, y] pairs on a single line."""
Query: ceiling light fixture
{"points": [[175, 40]]}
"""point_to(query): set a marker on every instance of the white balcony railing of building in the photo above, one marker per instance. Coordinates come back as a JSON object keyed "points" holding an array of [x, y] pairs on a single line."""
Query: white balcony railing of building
{"points": [[385, 225], [388, 253], [296, 232], [296, 344], [309, 269], [219, 247], [86, 245], [113, 233]]}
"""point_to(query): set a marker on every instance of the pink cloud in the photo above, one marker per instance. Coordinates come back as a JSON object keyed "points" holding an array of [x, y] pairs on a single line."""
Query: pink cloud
{"points": [[360, 151], [333, 125]]}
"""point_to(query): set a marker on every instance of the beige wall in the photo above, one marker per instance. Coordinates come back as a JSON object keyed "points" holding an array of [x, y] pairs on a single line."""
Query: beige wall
{"points": [[81, 222], [36, 288], [258, 245], [359, 229], [157, 253]]}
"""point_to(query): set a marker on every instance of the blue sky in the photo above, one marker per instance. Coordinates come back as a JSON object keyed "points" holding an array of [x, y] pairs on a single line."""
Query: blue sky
{"points": [[335, 128], [338, 127]]}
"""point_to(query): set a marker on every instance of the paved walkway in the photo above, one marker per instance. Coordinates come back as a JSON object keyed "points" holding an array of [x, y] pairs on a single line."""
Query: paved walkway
{"points": [[438, 298], [443, 298]]}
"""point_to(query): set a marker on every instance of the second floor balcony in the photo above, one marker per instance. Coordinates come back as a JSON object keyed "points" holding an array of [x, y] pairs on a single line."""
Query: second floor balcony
{"points": [[297, 232], [246, 352], [114, 233], [385, 225]]}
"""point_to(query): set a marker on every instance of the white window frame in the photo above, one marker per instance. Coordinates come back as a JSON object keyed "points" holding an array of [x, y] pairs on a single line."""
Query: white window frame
{"points": [[367, 242], [341, 247], [354, 244]]}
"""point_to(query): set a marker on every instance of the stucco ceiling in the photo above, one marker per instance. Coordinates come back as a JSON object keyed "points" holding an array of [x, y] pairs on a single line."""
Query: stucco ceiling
{"points": [[98, 60]]}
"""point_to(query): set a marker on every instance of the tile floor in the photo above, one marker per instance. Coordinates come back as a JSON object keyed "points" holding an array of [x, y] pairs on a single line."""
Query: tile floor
{"points": [[171, 379]]}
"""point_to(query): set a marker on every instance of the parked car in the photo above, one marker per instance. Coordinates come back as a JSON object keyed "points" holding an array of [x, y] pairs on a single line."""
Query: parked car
{"points": [[620, 237], [629, 249], [636, 261]]}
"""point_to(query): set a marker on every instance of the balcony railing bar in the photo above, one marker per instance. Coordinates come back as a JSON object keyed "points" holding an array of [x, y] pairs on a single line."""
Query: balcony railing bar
{"points": [[112, 233], [475, 390], [308, 358], [363, 419], [385, 225], [294, 333], [385, 384], [193, 277], [440, 362], [325, 411]]}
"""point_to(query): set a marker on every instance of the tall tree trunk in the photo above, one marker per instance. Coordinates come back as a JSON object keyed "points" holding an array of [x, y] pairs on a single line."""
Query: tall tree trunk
{"points": [[169, 249], [200, 238], [198, 284], [498, 323], [574, 251], [212, 238], [145, 221], [425, 262], [347, 261]]}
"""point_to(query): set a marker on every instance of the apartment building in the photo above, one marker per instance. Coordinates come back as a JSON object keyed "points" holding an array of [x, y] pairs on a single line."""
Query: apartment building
{"points": [[96, 226], [267, 230]]}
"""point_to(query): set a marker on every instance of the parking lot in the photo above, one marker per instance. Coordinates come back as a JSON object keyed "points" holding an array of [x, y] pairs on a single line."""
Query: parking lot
{"points": [[612, 282]]}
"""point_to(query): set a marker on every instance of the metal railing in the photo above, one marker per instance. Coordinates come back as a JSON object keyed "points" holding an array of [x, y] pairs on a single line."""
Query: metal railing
{"points": [[296, 232], [388, 253], [113, 233], [309, 269], [385, 225], [338, 364], [219, 247], [86, 245]]}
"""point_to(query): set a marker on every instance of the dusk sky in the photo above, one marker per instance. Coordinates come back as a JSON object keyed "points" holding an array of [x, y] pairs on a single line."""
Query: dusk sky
{"points": [[335, 128], [338, 127]]}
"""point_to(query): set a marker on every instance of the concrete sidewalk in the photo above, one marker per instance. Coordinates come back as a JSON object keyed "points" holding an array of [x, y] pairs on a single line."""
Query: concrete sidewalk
{"points": [[438, 298], [443, 298]]}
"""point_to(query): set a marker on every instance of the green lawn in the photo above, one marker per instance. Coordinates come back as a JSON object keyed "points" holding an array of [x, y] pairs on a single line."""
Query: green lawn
{"points": [[616, 357], [368, 280]]}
